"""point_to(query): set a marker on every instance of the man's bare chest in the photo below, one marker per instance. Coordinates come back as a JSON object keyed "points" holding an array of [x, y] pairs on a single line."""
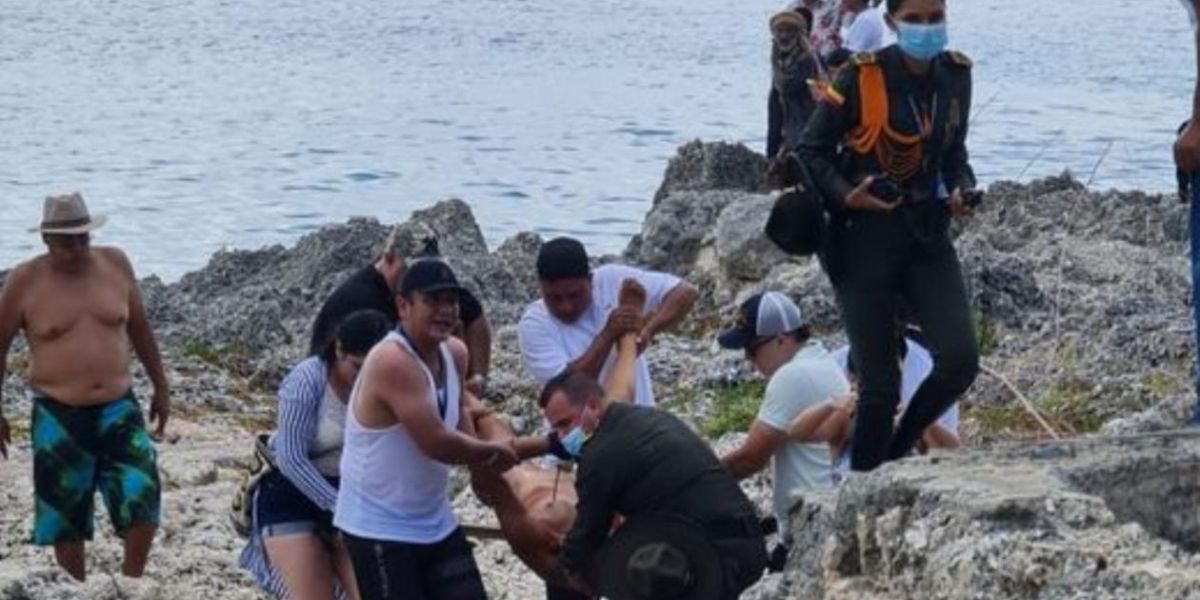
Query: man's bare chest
{"points": [[59, 305]]}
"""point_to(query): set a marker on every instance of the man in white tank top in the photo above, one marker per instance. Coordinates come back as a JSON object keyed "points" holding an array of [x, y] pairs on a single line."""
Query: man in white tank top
{"points": [[405, 426]]}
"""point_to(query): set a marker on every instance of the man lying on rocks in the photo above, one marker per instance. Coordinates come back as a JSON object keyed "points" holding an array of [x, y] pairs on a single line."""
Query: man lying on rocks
{"points": [[536, 506], [80, 310], [689, 531], [577, 322], [372, 287]]}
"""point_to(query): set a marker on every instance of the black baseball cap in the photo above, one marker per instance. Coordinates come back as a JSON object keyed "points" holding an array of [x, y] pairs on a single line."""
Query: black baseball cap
{"points": [[763, 315], [427, 276]]}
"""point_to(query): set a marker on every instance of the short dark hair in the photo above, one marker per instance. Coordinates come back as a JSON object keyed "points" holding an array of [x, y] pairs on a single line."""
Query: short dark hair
{"points": [[801, 335], [562, 258], [577, 386], [357, 334]]}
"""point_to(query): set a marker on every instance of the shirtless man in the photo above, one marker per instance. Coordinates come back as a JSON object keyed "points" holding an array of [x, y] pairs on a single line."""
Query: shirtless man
{"points": [[80, 309], [536, 506]]}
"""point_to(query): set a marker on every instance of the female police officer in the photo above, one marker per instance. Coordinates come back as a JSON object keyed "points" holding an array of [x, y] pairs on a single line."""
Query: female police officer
{"points": [[887, 152]]}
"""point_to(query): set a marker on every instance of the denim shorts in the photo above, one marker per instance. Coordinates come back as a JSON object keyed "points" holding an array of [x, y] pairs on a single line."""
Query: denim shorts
{"points": [[282, 509]]}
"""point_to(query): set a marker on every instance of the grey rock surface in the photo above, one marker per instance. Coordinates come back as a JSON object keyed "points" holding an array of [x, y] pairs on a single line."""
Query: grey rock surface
{"points": [[744, 252], [713, 166], [1097, 518]]}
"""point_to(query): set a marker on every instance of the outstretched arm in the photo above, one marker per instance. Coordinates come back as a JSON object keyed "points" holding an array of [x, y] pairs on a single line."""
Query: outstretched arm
{"points": [[402, 386], [621, 382], [620, 386], [755, 452], [10, 322], [825, 422], [675, 306]]}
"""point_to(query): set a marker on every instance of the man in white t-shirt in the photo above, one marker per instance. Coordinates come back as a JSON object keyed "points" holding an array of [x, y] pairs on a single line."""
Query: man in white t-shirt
{"points": [[864, 29], [577, 323], [802, 374]]}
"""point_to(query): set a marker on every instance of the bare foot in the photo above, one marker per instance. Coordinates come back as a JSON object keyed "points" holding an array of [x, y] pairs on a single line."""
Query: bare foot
{"points": [[632, 295]]}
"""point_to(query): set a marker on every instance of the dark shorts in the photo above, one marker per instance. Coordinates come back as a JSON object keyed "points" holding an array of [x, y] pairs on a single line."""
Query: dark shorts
{"points": [[444, 570], [79, 451], [282, 509]]}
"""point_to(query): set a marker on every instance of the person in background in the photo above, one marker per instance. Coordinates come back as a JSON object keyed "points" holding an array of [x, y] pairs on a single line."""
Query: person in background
{"points": [[891, 161], [372, 287], [795, 70], [864, 29], [293, 551], [823, 33], [577, 322], [1187, 162]]}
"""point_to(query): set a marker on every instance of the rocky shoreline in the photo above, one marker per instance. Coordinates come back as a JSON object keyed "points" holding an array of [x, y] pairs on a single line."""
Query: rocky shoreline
{"points": [[1081, 301]]}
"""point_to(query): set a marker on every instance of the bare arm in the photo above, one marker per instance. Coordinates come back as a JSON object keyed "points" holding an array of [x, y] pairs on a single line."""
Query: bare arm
{"points": [[478, 336], [140, 334], [936, 436], [755, 452], [621, 383], [144, 345], [675, 306], [545, 357], [403, 388], [592, 359], [10, 323], [822, 423]]}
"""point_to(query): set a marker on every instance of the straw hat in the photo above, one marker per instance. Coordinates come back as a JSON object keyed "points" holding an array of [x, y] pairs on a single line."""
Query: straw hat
{"points": [[68, 215]]}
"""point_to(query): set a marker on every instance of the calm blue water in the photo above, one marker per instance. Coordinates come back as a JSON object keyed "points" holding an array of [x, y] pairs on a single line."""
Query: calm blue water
{"points": [[203, 124]]}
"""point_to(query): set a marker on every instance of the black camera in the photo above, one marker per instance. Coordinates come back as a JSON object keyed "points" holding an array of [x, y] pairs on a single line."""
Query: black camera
{"points": [[885, 188]]}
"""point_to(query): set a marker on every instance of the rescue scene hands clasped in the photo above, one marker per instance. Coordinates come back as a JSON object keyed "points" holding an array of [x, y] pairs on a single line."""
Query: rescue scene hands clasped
{"points": [[868, 118]]}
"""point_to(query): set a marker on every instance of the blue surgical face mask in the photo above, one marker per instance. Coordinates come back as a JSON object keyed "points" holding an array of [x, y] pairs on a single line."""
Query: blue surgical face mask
{"points": [[920, 41], [574, 440]]}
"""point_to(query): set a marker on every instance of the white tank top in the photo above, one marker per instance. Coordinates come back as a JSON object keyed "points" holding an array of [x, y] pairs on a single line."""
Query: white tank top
{"points": [[390, 490]]}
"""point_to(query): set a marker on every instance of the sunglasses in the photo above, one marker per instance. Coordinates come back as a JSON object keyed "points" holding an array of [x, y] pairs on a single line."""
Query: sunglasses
{"points": [[753, 347]]}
